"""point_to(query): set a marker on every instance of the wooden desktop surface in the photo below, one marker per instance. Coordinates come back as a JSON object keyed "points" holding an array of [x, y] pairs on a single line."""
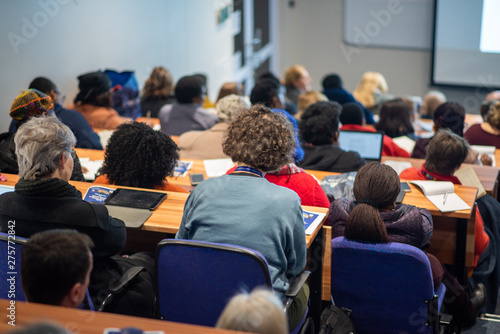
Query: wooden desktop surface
{"points": [[488, 175], [166, 218], [443, 241], [198, 166], [87, 322]]}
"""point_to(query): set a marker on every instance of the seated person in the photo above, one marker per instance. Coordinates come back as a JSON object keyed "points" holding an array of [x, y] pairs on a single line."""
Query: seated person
{"points": [[242, 311], [373, 217], [226, 209], [230, 88], [268, 92], [487, 133], [449, 115], [445, 154], [43, 200], [319, 129], [332, 88], [94, 102], [297, 81], [395, 120], [208, 144], [430, 102], [306, 99], [352, 118], [187, 114], [157, 92], [56, 266], [372, 91], [29, 104], [85, 136], [138, 156]]}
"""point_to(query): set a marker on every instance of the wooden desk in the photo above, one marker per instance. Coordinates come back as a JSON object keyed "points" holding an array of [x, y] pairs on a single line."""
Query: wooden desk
{"points": [[87, 322], [452, 241], [166, 219], [488, 175]]}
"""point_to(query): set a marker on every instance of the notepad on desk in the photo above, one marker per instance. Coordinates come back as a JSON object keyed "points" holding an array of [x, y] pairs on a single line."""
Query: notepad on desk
{"points": [[488, 150], [312, 220], [442, 195], [468, 177], [182, 167], [217, 167]]}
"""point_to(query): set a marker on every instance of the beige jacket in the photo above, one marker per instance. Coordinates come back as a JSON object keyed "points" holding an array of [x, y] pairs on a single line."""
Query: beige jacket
{"points": [[203, 144]]}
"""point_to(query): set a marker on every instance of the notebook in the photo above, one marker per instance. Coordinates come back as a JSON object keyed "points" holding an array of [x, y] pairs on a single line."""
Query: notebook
{"points": [[367, 144]]}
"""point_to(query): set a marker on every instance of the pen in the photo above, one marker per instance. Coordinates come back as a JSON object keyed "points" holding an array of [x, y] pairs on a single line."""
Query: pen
{"points": [[444, 199]]}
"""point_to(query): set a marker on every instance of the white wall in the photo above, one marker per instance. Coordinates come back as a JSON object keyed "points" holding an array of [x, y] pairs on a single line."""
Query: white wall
{"points": [[310, 33], [66, 38]]}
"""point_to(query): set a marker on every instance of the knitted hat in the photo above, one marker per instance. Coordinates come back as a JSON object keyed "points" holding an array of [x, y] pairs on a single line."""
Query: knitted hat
{"points": [[30, 103], [230, 106], [91, 85]]}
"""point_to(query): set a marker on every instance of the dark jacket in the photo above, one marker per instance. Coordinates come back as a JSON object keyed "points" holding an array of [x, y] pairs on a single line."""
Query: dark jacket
{"points": [[8, 158], [342, 96], [330, 158], [407, 224], [47, 204]]}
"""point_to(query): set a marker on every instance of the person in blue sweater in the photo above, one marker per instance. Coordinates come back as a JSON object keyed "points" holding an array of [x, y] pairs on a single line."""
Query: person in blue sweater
{"points": [[333, 90], [243, 208], [85, 136]]}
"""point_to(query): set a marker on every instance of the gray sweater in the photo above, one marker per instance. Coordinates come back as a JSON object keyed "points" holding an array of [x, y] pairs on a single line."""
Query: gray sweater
{"points": [[250, 212]]}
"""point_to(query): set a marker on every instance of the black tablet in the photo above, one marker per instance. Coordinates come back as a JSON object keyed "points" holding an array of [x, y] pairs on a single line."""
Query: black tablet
{"points": [[135, 198]]}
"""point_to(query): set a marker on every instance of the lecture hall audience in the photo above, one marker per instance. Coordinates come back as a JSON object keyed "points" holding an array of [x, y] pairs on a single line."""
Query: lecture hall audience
{"points": [[43, 199], [373, 217], [208, 144], [352, 118], [157, 92], [225, 209], [29, 104], [319, 129], [187, 113], [56, 267], [138, 156], [94, 101]]}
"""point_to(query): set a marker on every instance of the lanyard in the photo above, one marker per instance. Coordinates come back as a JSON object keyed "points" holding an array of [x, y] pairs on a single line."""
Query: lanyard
{"points": [[250, 170]]}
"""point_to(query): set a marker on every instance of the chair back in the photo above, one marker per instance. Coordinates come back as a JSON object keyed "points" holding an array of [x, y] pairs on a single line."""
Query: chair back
{"points": [[196, 279], [10, 267], [388, 287]]}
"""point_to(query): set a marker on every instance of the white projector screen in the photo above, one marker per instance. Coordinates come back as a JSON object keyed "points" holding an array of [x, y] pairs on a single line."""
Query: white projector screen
{"points": [[466, 50]]}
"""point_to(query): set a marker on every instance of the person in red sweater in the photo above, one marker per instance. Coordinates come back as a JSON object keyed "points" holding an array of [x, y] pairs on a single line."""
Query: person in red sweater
{"points": [[445, 153], [352, 118]]}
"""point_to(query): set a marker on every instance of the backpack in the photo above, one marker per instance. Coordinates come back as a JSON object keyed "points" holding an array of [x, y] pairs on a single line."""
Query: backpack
{"points": [[126, 101], [336, 320], [125, 285]]}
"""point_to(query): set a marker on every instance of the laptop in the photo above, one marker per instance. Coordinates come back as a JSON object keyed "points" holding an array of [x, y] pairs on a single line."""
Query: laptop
{"points": [[367, 144]]}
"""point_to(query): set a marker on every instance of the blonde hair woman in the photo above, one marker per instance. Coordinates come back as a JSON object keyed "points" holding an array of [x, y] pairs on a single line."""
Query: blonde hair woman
{"points": [[371, 89], [257, 312], [306, 99], [297, 81], [157, 91]]}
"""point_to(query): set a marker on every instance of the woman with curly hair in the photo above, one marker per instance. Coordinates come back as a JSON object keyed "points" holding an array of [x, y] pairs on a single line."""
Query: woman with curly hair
{"points": [[232, 208], [158, 91], [138, 156]]}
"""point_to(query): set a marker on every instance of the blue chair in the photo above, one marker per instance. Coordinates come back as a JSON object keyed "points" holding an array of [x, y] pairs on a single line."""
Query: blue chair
{"points": [[10, 266], [388, 287], [196, 279]]}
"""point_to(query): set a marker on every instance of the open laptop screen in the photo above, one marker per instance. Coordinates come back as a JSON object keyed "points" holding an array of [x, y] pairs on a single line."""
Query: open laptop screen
{"points": [[367, 144]]}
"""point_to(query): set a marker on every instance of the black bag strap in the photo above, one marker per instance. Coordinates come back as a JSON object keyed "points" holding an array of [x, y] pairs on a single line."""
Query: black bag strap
{"points": [[124, 280]]}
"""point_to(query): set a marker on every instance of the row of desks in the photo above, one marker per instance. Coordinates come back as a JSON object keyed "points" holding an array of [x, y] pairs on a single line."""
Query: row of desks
{"points": [[87, 322]]}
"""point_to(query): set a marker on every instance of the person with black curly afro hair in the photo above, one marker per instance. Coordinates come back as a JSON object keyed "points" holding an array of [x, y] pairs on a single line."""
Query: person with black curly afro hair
{"points": [[138, 156]]}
